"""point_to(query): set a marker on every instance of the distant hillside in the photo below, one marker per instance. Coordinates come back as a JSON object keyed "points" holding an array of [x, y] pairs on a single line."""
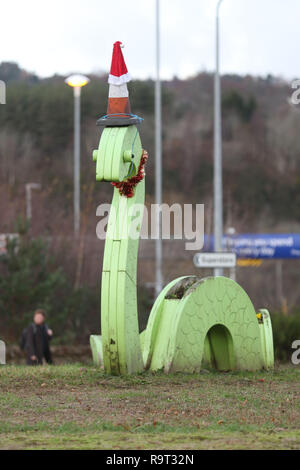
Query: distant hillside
{"points": [[11, 72], [261, 147]]}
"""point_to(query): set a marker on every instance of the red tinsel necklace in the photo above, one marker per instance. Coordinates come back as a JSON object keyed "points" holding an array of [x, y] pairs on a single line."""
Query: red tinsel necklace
{"points": [[126, 188]]}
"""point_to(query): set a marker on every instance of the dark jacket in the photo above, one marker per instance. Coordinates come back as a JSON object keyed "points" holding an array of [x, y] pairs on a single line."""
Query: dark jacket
{"points": [[37, 344]]}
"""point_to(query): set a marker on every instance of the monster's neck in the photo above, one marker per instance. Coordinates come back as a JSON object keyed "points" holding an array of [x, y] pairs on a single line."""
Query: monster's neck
{"points": [[119, 316]]}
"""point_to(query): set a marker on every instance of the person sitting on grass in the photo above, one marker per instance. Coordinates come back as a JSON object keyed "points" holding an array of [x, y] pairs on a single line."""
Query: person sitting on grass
{"points": [[38, 336]]}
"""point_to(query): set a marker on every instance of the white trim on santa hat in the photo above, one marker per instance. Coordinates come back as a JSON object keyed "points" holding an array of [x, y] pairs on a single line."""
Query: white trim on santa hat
{"points": [[113, 80], [118, 91]]}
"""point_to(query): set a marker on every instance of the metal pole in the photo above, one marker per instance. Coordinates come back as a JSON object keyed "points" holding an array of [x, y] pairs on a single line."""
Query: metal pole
{"points": [[28, 202], [158, 159], [77, 94], [279, 282], [218, 190], [230, 233], [28, 188]]}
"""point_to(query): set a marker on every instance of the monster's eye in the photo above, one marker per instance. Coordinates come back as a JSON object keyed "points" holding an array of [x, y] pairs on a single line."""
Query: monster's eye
{"points": [[128, 156]]}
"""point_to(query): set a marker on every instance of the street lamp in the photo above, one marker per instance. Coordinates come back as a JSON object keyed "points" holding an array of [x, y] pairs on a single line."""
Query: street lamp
{"points": [[77, 82], [218, 185]]}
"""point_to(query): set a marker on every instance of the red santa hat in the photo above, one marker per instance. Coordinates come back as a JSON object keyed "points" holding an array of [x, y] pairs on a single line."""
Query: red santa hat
{"points": [[118, 72]]}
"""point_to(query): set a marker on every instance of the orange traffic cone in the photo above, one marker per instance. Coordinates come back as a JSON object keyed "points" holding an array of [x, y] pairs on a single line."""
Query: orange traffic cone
{"points": [[118, 110], [118, 99]]}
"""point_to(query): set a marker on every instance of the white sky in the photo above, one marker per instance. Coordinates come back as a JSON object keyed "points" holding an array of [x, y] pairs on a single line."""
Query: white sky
{"points": [[62, 36]]}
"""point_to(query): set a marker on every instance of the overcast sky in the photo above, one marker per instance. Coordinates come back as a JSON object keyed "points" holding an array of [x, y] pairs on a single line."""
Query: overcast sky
{"points": [[62, 36]]}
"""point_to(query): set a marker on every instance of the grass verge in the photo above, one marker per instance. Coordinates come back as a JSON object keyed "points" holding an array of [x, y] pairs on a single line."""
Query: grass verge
{"points": [[79, 407]]}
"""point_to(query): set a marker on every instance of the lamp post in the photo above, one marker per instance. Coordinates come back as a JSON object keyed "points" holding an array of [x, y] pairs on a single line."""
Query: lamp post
{"points": [[158, 160], [28, 188], [218, 185], [77, 82], [230, 233]]}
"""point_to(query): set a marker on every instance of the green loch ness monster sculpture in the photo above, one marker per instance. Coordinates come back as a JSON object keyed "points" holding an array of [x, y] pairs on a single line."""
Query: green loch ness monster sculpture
{"points": [[194, 322]]}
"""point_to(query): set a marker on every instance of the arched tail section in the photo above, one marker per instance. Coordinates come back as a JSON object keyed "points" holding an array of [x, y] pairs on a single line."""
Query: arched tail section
{"points": [[210, 321]]}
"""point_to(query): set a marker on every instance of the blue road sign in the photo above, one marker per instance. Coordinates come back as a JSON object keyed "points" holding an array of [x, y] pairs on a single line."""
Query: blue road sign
{"points": [[259, 246]]}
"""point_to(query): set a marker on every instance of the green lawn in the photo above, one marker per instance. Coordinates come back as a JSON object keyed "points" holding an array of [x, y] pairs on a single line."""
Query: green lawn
{"points": [[79, 407]]}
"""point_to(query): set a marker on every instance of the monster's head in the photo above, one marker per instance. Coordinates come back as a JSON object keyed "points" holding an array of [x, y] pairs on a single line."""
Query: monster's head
{"points": [[119, 154], [120, 150]]}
